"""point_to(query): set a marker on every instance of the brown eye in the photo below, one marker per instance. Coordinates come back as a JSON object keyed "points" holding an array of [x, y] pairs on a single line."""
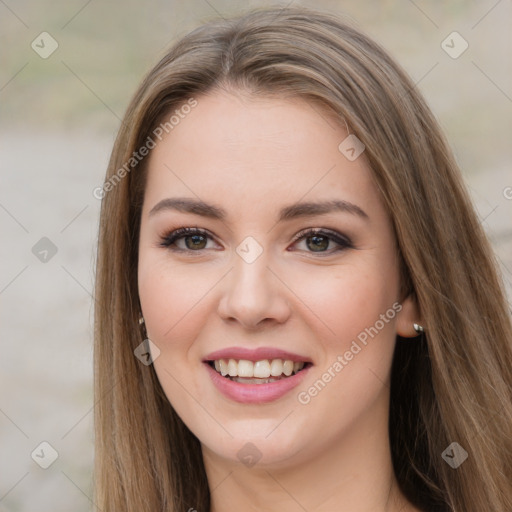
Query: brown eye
{"points": [[186, 239], [318, 241], [196, 242]]}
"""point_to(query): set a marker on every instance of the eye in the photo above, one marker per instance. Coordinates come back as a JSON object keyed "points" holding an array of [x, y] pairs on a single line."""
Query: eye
{"points": [[318, 240], [186, 239]]}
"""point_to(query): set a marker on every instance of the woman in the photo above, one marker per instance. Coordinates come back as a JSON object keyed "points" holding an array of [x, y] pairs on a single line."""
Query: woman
{"points": [[297, 308]]}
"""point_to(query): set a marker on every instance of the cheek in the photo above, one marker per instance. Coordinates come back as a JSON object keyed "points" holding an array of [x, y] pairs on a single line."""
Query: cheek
{"points": [[172, 297], [174, 301], [359, 304], [355, 312], [345, 302]]}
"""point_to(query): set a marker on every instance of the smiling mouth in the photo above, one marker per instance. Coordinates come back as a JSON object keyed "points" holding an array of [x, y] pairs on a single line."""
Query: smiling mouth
{"points": [[257, 372]]}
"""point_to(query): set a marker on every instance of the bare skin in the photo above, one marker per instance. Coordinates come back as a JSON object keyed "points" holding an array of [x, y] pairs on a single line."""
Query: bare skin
{"points": [[323, 451]]}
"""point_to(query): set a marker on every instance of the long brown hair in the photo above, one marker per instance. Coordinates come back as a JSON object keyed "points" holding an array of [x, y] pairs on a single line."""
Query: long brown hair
{"points": [[451, 385]]}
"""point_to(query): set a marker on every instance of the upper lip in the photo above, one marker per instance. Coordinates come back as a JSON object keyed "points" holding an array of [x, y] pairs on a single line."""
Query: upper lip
{"points": [[255, 354]]}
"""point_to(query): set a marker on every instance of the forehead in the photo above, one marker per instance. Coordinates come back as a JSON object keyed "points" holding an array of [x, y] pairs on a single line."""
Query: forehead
{"points": [[251, 152]]}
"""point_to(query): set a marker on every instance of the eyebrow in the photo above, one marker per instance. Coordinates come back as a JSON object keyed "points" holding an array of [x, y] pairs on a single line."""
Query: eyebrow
{"points": [[293, 211]]}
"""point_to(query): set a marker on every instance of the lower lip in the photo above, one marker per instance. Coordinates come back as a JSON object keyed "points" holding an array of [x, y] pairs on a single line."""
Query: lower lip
{"points": [[255, 393]]}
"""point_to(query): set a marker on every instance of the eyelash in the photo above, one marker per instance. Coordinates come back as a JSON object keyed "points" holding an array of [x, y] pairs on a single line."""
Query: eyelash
{"points": [[342, 240]]}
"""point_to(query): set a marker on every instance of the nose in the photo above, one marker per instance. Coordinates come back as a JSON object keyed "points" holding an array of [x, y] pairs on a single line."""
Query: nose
{"points": [[253, 295]]}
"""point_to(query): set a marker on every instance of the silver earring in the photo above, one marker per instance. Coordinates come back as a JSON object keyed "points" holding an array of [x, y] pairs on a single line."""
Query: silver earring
{"points": [[418, 328], [142, 323]]}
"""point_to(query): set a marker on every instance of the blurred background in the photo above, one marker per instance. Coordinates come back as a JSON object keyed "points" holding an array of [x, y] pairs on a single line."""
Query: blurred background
{"points": [[68, 70]]}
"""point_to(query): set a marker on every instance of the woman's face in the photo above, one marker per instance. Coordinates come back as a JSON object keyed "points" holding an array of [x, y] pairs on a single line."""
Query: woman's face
{"points": [[253, 176]]}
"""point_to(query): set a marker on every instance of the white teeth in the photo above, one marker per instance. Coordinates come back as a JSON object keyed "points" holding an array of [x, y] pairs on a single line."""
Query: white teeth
{"points": [[276, 368], [243, 380], [232, 368], [245, 368], [264, 369], [288, 368], [223, 367]]}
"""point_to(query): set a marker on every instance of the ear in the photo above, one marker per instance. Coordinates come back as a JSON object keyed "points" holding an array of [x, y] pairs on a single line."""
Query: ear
{"points": [[408, 315]]}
